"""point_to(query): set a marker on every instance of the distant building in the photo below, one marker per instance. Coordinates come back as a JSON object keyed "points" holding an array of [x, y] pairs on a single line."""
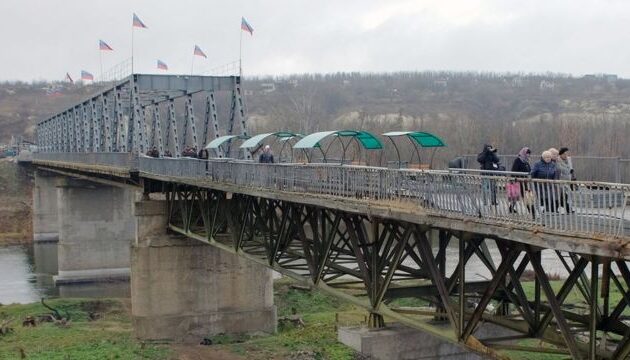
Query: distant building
{"points": [[268, 87], [440, 83], [547, 85], [611, 79], [517, 82]]}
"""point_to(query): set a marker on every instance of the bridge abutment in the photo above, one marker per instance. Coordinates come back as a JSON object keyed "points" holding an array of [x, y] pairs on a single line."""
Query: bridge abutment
{"points": [[45, 220], [183, 290], [96, 227]]}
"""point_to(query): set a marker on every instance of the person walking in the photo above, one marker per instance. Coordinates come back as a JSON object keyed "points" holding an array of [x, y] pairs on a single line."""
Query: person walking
{"points": [[266, 157], [521, 165], [545, 169], [566, 173], [489, 160]]}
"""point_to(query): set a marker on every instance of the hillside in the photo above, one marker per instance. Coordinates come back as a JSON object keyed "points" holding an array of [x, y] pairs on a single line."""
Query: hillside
{"points": [[591, 115]]}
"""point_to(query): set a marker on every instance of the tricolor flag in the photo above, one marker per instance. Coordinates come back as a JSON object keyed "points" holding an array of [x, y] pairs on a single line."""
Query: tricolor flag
{"points": [[245, 26], [137, 22], [69, 78], [161, 65], [86, 75], [102, 45], [199, 52]]}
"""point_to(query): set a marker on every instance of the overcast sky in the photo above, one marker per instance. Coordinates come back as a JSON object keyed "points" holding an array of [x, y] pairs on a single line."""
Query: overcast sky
{"points": [[44, 39]]}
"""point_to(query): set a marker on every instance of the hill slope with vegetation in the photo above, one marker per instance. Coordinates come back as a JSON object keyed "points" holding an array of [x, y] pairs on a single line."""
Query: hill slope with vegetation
{"points": [[590, 114]]}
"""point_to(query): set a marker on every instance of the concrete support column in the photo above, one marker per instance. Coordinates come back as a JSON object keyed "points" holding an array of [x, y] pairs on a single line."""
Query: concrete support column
{"points": [[183, 290], [45, 222], [96, 228]]}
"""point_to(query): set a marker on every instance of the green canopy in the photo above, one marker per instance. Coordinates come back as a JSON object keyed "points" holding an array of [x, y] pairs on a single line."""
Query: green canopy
{"points": [[367, 140], [214, 144], [423, 139], [417, 139], [256, 139]]}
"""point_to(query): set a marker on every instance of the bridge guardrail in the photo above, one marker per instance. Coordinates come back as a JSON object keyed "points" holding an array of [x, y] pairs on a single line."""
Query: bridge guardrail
{"points": [[587, 168], [581, 207], [119, 160], [578, 207]]}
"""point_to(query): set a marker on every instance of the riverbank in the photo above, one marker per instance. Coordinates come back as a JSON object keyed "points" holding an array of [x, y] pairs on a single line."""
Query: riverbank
{"points": [[101, 329], [15, 204]]}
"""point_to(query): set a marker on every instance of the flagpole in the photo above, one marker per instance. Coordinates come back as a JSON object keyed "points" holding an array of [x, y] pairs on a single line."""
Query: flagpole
{"points": [[192, 64], [100, 55], [132, 31], [240, 55]]}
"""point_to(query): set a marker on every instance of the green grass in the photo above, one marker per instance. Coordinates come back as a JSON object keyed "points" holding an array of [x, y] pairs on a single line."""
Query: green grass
{"points": [[110, 337], [318, 336], [107, 338]]}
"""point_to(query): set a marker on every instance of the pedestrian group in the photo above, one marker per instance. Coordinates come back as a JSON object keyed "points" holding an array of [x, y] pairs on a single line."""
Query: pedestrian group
{"points": [[553, 165]]}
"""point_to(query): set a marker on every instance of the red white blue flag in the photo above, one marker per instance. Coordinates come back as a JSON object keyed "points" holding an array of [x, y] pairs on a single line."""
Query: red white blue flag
{"points": [[246, 27], [69, 78], [137, 22], [199, 52], [86, 75], [102, 45], [161, 65]]}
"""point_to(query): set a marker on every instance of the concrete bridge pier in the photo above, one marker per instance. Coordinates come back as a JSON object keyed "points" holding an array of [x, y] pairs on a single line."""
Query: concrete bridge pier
{"points": [[96, 227], [45, 221], [183, 290]]}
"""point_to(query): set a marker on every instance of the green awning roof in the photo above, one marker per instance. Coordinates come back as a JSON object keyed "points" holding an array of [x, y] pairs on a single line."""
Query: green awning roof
{"points": [[214, 144], [256, 139], [367, 140], [423, 139]]}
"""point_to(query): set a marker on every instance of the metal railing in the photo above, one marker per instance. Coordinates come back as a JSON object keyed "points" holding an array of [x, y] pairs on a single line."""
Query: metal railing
{"points": [[587, 168], [121, 161], [578, 207]]}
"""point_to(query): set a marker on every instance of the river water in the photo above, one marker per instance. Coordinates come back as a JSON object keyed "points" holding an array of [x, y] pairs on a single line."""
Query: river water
{"points": [[26, 275]]}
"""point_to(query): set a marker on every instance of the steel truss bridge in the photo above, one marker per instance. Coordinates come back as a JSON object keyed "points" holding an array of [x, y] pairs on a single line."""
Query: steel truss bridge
{"points": [[372, 235]]}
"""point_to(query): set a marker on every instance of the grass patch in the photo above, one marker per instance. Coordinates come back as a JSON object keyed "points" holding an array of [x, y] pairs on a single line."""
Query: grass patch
{"points": [[106, 338], [317, 337]]}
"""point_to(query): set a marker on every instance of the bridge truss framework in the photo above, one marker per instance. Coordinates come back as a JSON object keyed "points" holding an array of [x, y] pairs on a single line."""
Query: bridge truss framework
{"points": [[146, 111], [371, 261]]}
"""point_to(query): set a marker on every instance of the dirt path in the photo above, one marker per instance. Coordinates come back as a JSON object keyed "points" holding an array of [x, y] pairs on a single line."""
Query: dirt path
{"points": [[200, 352]]}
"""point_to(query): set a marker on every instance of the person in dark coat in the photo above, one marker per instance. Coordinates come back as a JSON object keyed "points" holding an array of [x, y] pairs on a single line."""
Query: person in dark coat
{"points": [[545, 169], [488, 160], [266, 157], [521, 165]]}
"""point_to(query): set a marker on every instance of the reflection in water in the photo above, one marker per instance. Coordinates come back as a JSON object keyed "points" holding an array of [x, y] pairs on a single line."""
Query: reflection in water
{"points": [[26, 275], [18, 281]]}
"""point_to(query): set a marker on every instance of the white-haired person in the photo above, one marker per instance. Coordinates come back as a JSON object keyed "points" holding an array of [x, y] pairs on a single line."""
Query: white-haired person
{"points": [[545, 169], [266, 157]]}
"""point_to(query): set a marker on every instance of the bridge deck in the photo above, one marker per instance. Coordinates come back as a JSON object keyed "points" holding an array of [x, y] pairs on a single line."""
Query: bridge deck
{"points": [[600, 224]]}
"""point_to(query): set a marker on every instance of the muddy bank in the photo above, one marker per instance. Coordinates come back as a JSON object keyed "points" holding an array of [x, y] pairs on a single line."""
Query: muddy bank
{"points": [[15, 203]]}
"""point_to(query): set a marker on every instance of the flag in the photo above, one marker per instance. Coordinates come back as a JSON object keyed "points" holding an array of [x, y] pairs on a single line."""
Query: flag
{"points": [[137, 22], [199, 52], [86, 75], [162, 65], [245, 26], [102, 45], [53, 92], [69, 78]]}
